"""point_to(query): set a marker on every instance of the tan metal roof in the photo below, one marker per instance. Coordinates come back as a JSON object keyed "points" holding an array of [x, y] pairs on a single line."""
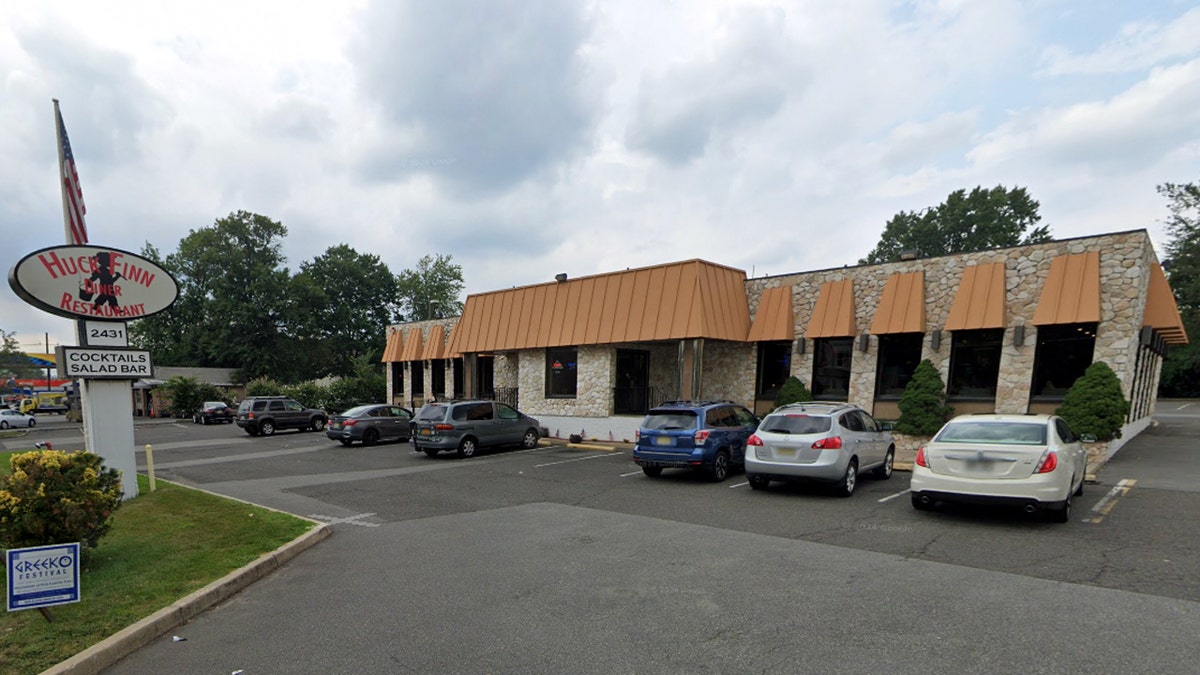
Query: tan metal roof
{"points": [[1071, 293], [834, 314], [774, 318], [902, 305], [393, 349], [690, 299], [1162, 313], [980, 300], [412, 346], [435, 345]]}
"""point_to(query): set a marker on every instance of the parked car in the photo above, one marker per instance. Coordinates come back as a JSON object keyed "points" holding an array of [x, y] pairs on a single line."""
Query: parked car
{"points": [[831, 442], [10, 419], [468, 426], [1032, 461], [370, 424], [213, 412], [264, 414], [709, 436]]}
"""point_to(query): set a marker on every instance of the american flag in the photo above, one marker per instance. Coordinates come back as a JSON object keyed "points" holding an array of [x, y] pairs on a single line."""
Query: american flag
{"points": [[73, 207]]}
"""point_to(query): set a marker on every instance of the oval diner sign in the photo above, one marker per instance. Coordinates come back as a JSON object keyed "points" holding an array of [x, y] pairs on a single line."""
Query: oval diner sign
{"points": [[93, 282]]}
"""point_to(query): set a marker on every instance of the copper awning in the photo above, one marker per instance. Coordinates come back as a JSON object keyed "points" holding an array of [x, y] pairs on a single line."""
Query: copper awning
{"points": [[1162, 313], [1071, 293], [392, 351], [412, 346], [691, 299], [834, 314], [435, 345], [773, 321], [980, 300], [902, 305]]}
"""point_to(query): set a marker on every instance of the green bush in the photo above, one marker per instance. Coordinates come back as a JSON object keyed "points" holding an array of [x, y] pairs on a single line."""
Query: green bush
{"points": [[54, 497], [310, 394], [263, 386], [1095, 404], [923, 408], [188, 394], [792, 391]]}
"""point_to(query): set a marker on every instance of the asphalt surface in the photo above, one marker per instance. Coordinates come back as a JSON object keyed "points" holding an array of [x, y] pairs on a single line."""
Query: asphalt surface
{"points": [[569, 560]]}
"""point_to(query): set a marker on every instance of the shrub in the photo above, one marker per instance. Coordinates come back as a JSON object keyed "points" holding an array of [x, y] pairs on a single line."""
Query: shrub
{"points": [[311, 394], [1095, 404], [54, 497], [263, 386], [188, 394], [792, 391], [923, 408]]}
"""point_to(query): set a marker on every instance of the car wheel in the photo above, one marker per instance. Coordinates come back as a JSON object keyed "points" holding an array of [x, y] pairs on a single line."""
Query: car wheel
{"points": [[3, 424], [370, 437], [758, 482], [1079, 490], [467, 448], [318, 424], [1061, 514], [885, 472], [266, 428], [431, 452], [849, 481], [719, 470], [530, 440], [203, 419], [345, 441], [32, 423], [920, 504], [652, 471]]}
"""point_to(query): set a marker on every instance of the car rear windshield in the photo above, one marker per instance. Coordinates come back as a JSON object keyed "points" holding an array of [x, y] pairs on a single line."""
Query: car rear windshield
{"points": [[357, 410], [795, 424], [1009, 433], [432, 412], [667, 421]]}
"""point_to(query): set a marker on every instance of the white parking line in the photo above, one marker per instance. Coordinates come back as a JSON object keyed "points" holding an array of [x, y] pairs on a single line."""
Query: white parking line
{"points": [[564, 461], [1110, 500], [632, 473], [891, 497], [738, 485], [1183, 406]]}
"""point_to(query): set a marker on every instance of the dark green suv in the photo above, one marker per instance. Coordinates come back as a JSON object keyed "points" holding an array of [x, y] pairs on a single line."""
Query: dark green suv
{"points": [[264, 414]]}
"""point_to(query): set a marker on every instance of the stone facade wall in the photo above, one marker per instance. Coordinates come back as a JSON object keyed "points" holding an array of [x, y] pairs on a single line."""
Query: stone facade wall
{"points": [[728, 372], [506, 369], [595, 374]]}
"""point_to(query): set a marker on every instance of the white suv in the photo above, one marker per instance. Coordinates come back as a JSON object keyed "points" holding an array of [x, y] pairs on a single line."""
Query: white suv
{"points": [[819, 440]]}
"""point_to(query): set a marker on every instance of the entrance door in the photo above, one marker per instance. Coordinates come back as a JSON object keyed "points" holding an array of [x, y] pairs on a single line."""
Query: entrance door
{"points": [[484, 381], [631, 395]]}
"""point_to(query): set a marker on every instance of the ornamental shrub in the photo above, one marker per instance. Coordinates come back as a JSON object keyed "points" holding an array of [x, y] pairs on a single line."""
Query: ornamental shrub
{"points": [[923, 408], [263, 386], [792, 391], [55, 497], [1095, 404]]}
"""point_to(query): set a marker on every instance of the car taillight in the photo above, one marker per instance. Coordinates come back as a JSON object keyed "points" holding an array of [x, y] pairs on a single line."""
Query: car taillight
{"points": [[1049, 462], [754, 440], [349, 423], [701, 436], [637, 435], [443, 427], [831, 443], [920, 460], [249, 415]]}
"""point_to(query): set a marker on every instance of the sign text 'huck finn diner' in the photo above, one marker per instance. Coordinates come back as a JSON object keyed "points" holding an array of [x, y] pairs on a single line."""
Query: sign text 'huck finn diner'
{"points": [[93, 282]]}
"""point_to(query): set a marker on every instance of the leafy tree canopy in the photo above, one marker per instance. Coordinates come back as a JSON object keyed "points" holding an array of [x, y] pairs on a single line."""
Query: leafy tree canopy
{"points": [[14, 363], [1181, 368], [983, 219], [431, 291]]}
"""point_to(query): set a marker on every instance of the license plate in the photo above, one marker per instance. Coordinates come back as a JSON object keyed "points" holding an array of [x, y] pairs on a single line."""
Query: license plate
{"points": [[662, 440], [426, 432], [785, 452], [336, 426]]}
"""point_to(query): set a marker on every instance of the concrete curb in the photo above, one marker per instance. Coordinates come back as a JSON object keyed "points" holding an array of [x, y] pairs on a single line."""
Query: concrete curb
{"points": [[589, 446], [112, 649]]}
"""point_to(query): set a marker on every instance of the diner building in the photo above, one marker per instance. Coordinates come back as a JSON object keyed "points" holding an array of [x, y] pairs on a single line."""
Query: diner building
{"points": [[1008, 329]]}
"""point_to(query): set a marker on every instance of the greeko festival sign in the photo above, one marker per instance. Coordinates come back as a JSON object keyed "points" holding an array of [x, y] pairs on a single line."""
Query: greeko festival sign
{"points": [[93, 283]]}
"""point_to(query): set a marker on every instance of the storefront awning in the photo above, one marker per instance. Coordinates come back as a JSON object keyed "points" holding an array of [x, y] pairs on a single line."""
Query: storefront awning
{"points": [[435, 346], [980, 300], [773, 321], [834, 314], [1162, 313], [902, 305], [412, 346], [1071, 293], [394, 348]]}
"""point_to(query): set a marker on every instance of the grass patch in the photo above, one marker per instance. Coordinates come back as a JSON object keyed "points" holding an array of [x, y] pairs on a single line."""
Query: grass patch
{"points": [[162, 546]]}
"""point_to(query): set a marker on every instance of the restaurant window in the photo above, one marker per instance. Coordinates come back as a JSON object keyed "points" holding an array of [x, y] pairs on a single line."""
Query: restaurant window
{"points": [[437, 375], [831, 368], [1063, 353], [774, 367], [975, 363], [560, 372], [418, 379], [899, 355], [397, 380]]}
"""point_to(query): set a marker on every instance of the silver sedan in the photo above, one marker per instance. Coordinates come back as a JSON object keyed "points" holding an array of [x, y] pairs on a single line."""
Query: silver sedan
{"points": [[11, 419]]}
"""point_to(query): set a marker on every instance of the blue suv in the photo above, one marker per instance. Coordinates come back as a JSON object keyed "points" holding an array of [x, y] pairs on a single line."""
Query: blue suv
{"points": [[708, 436]]}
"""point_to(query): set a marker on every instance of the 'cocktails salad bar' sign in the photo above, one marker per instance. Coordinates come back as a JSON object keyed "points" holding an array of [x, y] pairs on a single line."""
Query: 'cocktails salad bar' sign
{"points": [[93, 282]]}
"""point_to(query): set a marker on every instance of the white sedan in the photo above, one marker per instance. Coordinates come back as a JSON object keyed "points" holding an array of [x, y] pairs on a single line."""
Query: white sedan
{"points": [[1032, 461], [10, 419]]}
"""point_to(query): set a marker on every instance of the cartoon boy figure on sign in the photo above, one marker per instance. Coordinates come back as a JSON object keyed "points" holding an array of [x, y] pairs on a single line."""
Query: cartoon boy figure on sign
{"points": [[102, 284]]}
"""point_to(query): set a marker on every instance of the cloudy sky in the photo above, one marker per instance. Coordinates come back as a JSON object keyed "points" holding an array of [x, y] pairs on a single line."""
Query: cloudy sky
{"points": [[528, 137]]}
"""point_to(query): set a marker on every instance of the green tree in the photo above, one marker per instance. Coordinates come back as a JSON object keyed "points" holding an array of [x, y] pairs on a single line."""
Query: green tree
{"points": [[1095, 404], [431, 291], [345, 301], [14, 363], [923, 408], [1181, 369], [981, 220]]}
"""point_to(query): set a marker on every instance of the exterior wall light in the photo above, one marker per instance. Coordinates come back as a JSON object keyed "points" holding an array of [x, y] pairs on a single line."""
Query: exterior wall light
{"points": [[935, 339], [1018, 335], [864, 341]]}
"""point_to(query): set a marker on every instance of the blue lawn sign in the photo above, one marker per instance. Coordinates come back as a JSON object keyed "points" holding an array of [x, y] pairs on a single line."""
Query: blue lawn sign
{"points": [[42, 576]]}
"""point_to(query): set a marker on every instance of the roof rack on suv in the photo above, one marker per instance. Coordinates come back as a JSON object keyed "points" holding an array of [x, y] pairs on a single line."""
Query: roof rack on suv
{"points": [[803, 405], [692, 403]]}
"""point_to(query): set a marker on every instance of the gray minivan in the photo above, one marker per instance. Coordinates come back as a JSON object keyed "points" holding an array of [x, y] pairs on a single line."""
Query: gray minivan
{"points": [[467, 426]]}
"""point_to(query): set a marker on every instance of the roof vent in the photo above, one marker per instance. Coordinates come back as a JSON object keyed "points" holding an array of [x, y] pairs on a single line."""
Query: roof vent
{"points": [[908, 254], [560, 277]]}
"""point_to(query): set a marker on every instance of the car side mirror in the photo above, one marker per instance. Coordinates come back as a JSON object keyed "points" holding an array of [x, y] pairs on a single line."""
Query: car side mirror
{"points": [[1087, 438], [885, 426]]}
